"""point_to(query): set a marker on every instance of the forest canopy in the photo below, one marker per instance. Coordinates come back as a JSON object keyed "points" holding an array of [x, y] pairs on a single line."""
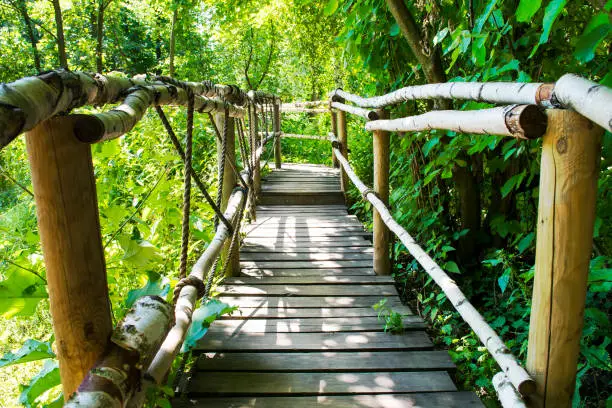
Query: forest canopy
{"points": [[471, 201]]}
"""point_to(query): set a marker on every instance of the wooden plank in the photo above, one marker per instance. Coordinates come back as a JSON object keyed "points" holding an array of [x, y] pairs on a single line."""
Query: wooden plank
{"points": [[306, 272], [307, 290], [412, 400], [361, 238], [315, 243], [310, 325], [364, 341], [265, 312], [306, 264], [314, 302], [304, 225], [310, 232], [308, 250], [311, 280], [301, 256], [330, 361], [221, 383], [302, 198]]}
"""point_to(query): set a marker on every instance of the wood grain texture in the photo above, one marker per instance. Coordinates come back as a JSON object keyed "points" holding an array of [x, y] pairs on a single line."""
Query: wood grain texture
{"points": [[566, 216], [365, 302], [381, 234], [68, 221]]}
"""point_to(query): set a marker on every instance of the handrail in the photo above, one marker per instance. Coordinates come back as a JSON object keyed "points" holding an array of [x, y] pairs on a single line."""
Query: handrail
{"points": [[570, 91], [520, 379]]}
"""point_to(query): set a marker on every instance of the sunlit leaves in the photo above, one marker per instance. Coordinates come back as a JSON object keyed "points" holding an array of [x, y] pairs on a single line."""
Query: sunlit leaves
{"points": [[202, 318], [46, 379], [155, 286], [330, 7], [527, 9], [595, 32], [20, 293], [32, 350], [551, 13]]}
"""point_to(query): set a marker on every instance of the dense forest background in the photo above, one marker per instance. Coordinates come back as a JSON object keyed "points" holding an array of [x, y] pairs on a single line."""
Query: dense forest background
{"points": [[471, 201]]}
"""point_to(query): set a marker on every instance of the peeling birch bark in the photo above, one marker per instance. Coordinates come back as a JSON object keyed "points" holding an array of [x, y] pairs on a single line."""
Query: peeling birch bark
{"points": [[354, 110], [506, 393], [588, 98], [509, 364], [492, 92], [119, 374], [520, 121], [29, 101]]}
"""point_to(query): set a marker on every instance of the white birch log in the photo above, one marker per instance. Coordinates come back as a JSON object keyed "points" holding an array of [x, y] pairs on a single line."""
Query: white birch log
{"points": [[306, 104], [188, 295], [509, 364], [520, 121], [492, 92], [119, 373], [120, 120], [354, 110], [32, 100], [290, 109], [296, 136], [588, 98], [506, 393]]}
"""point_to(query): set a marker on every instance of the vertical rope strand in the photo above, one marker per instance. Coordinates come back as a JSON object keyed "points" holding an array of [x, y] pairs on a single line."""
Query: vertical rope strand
{"points": [[187, 186]]}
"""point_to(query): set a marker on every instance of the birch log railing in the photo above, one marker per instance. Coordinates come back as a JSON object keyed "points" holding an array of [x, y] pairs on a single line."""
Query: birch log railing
{"points": [[99, 366], [569, 115]]}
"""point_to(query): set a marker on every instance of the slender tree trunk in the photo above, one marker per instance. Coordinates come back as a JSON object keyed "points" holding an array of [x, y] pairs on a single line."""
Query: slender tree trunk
{"points": [[173, 40], [29, 26], [463, 177], [61, 42], [100, 36]]}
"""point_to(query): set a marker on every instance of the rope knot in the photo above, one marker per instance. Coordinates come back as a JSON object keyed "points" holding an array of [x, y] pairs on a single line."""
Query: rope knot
{"points": [[189, 280]]}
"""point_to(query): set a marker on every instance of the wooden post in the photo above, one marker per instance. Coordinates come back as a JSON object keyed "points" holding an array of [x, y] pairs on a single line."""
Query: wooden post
{"points": [[343, 139], [381, 142], [69, 226], [256, 170], [566, 215], [334, 129], [229, 182], [277, 138]]}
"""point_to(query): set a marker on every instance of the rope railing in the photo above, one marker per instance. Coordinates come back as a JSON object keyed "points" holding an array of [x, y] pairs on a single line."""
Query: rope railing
{"points": [[517, 375]]}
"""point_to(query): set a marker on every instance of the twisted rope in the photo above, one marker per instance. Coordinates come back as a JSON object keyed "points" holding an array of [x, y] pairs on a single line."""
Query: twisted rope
{"points": [[187, 185], [222, 162]]}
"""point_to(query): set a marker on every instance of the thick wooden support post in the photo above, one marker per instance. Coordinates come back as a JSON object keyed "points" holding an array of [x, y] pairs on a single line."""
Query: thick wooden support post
{"points": [[69, 225], [256, 143], [229, 182], [381, 141], [343, 139], [334, 129], [566, 215], [277, 138]]}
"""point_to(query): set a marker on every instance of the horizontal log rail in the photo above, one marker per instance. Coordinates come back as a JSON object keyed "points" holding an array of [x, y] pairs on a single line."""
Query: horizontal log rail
{"points": [[29, 101], [354, 110], [570, 91], [289, 109], [517, 375], [520, 121]]}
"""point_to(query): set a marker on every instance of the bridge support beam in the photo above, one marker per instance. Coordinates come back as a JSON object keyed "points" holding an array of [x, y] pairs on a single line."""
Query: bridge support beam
{"points": [[381, 147], [69, 226], [566, 216], [229, 182], [276, 123]]}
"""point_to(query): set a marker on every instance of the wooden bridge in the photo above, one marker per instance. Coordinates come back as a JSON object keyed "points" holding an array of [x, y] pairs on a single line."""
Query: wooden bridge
{"points": [[307, 334], [307, 274]]}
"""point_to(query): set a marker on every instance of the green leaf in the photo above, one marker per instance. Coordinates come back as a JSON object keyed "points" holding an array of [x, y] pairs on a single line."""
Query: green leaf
{"points": [[525, 242], [551, 13], [159, 287], [46, 379], [452, 267], [330, 7], [503, 280], [482, 19], [139, 253], [595, 32], [32, 350], [440, 35], [395, 30], [512, 183], [527, 9], [20, 293], [430, 144], [430, 177], [201, 320]]}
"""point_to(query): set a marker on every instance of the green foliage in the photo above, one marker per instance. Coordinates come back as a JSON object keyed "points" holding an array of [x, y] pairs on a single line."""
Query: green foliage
{"points": [[208, 312], [46, 379], [394, 321], [32, 350]]}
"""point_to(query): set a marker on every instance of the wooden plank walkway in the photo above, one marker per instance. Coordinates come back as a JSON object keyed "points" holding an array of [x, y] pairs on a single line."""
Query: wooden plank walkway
{"points": [[307, 334]]}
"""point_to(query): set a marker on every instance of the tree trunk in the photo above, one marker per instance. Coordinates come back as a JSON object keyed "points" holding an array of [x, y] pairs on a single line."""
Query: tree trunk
{"points": [[468, 190], [173, 40], [29, 26], [61, 42]]}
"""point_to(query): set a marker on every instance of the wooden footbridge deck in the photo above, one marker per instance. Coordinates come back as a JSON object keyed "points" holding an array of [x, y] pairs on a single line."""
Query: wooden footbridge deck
{"points": [[307, 334]]}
